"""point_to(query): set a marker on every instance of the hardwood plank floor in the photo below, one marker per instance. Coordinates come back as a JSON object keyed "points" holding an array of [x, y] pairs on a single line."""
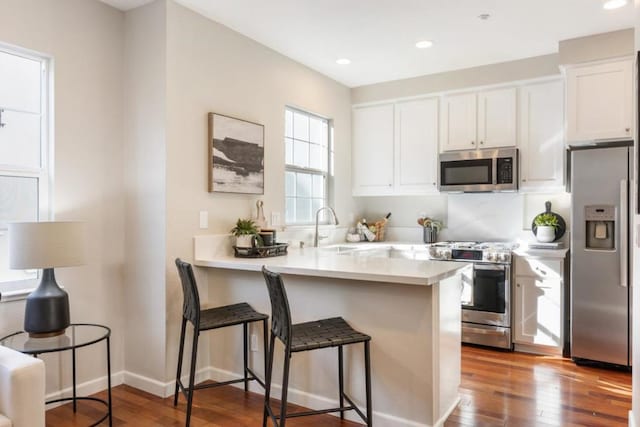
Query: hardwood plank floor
{"points": [[498, 389]]}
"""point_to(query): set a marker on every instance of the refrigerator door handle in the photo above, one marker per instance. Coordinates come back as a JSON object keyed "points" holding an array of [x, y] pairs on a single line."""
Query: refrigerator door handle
{"points": [[624, 232]]}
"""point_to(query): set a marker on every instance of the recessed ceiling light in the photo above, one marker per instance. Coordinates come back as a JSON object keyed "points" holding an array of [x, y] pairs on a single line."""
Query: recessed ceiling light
{"points": [[484, 16], [343, 61], [423, 44], [614, 4]]}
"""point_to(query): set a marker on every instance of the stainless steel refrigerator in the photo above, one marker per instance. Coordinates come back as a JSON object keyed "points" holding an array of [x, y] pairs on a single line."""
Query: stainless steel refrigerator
{"points": [[600, 253]]}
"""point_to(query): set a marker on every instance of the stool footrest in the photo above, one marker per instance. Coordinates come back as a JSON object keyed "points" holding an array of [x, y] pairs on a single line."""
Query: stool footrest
{"points": [[317, 412]]}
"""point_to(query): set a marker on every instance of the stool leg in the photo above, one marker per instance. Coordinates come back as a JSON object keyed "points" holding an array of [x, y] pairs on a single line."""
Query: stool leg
{"points": [[267, 380], [285, 387], [265, 348], [192, 375], [341, 380], [367, 377], [245, 356], [180, 355]]}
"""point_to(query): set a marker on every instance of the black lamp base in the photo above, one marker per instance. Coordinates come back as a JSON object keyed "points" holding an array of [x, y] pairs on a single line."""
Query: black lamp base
{"points": [[47, 310]]}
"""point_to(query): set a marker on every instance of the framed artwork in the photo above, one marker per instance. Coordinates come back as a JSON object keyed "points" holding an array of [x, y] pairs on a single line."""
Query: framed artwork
{"points": [[236, 155]]}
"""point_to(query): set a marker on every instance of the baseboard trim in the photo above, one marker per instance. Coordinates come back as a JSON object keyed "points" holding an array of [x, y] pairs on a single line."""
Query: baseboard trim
{"points": [[299, 397], [86, 388], [454, 405], [315, 401]]}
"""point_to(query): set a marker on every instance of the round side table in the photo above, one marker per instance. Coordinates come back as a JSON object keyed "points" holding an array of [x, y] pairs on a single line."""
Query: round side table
{"points": [[77, 335]]}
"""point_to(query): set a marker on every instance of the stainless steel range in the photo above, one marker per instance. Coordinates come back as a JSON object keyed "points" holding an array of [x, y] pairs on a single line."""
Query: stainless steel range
{"points": [[486, 291]]}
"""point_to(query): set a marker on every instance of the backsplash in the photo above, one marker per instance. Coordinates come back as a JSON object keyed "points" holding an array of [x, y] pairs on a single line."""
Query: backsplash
{"points": [[472, 216]]}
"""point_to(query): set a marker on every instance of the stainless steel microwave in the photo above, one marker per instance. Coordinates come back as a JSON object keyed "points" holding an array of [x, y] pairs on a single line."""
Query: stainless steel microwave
{"points": [[479, 170]]}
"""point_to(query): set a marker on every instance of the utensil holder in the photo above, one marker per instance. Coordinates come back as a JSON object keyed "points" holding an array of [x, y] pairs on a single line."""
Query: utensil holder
{"points": [[430, 235]]}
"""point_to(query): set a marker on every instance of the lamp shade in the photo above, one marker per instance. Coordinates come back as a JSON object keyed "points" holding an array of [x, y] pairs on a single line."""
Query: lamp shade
{"points": [[46, 244]]}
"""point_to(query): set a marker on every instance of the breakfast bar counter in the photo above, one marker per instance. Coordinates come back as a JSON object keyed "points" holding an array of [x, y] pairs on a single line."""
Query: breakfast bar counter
{"points": [[410, 307]]}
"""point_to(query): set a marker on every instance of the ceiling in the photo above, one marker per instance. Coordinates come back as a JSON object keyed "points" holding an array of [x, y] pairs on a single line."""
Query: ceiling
{"points": [[379, 36]]}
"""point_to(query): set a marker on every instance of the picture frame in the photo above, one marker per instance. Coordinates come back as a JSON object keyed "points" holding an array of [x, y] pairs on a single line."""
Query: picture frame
{"points": [[236, 155]]}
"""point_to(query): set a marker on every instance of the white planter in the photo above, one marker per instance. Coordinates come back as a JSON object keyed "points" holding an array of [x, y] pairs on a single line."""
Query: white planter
{"points": [[545, 233], [245, 241]]}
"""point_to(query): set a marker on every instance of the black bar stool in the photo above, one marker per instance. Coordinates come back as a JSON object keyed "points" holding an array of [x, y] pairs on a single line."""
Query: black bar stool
{"points": [[212, 318], [334, 332]]}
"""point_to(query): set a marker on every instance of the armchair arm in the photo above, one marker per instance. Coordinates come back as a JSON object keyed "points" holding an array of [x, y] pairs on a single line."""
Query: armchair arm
{"points": [[22, 388]]}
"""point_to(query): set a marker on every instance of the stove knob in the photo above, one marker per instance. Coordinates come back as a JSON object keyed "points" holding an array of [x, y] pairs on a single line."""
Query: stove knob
{"points": [[504, 257], [491, 256]]}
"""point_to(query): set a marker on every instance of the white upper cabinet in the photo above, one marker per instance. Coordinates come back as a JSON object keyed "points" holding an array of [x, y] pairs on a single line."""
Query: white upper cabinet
{"points": [[459, 122], [372, 150], [416, 148], [480, 120], [600, 101], [497, 118], [541, 136]]}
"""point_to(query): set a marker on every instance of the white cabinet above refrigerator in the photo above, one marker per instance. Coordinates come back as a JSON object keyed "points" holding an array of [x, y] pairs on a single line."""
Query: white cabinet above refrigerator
{"points": [[599, 101]]}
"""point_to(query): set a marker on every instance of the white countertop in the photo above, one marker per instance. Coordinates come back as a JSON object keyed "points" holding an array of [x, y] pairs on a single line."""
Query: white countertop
{"points": [[321, 262], [541, 253]]}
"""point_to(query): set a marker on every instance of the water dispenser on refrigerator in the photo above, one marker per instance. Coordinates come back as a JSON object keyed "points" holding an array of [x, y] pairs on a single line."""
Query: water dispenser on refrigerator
{"points": [[600, 226]]}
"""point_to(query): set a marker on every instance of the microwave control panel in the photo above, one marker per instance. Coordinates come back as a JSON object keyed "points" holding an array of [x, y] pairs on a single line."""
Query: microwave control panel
{"points": [[504, 170]]}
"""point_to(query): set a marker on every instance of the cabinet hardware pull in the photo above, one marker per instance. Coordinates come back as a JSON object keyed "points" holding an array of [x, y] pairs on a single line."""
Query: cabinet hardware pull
{"points": [[473, 143], [1, 124], [628, 130], [541, 271], [518, 285], [481, 142]]}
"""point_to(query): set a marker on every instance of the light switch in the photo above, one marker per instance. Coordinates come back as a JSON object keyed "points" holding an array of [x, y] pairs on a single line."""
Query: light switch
{"points": [[275, 219], [204, 219]]}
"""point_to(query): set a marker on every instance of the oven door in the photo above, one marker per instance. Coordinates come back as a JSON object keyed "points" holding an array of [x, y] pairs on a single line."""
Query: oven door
{"points": [[486, 295]]}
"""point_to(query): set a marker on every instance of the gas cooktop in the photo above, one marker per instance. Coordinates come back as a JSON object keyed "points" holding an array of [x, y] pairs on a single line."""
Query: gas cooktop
{"points": [[487, 252]]}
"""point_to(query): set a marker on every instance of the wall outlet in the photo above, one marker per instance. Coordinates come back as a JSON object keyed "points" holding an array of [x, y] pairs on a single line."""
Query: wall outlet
{"points": [[204, 219], [254, 342], [275, 219]]}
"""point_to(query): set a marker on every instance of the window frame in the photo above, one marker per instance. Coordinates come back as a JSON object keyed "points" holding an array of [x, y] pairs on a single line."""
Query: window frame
{"points": [[327, 175], [11, 290]]}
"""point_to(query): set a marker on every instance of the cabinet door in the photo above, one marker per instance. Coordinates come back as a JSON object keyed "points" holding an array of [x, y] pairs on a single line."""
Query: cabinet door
{"points": [[600, 101], [459, 122], [372, 150], [497, 118], [416, 149], [538, 311], [541, 136]]}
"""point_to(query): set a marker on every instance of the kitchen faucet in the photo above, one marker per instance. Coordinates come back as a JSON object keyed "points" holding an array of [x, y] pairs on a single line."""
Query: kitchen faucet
{"points": [[317, 237]]}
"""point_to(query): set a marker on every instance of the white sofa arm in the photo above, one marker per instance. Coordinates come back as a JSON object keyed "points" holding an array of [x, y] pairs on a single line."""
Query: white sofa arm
{"points": [[22, 388]]}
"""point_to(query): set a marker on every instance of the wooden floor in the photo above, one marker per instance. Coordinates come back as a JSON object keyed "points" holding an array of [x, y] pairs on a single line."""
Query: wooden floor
{"points": [[498, 389]]}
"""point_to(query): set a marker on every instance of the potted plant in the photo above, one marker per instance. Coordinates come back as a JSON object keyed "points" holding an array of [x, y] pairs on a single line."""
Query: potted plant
{"points": [[246, 233], [546, 225], [430, 229]]}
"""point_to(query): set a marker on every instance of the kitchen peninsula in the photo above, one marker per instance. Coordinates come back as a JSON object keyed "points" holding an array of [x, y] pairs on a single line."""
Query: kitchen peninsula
{"points": [[409, 306]]}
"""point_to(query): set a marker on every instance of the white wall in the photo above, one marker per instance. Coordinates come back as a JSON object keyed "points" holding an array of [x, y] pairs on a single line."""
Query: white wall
{"points": [[85, 40], [145, 194], [211, 68]]}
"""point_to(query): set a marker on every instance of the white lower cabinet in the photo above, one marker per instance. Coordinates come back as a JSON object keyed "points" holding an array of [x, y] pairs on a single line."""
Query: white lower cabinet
{"points": [[538, 305]]}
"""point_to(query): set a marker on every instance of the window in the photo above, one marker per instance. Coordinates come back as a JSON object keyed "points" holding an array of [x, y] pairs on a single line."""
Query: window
{"points": [[24, 156], [307, 140]]}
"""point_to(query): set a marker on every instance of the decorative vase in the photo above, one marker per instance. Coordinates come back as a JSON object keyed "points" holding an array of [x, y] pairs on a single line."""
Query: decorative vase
{"points": [[245, 241], [546, 233], [430, 235]]}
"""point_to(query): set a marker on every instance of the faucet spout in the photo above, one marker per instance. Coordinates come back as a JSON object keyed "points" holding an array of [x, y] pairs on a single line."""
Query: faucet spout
{"points": [[317, 237]]}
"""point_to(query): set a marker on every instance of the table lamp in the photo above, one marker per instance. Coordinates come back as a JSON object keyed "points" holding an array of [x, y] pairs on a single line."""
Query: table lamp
{"points": [[46, 245]]}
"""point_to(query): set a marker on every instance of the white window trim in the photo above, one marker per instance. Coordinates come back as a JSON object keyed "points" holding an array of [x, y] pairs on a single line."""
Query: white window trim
{"points": [[19, 289], [328, 174]]}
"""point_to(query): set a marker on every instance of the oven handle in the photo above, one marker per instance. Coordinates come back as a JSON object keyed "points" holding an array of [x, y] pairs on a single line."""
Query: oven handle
{"points": [[491, 267], [500, 332]]}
